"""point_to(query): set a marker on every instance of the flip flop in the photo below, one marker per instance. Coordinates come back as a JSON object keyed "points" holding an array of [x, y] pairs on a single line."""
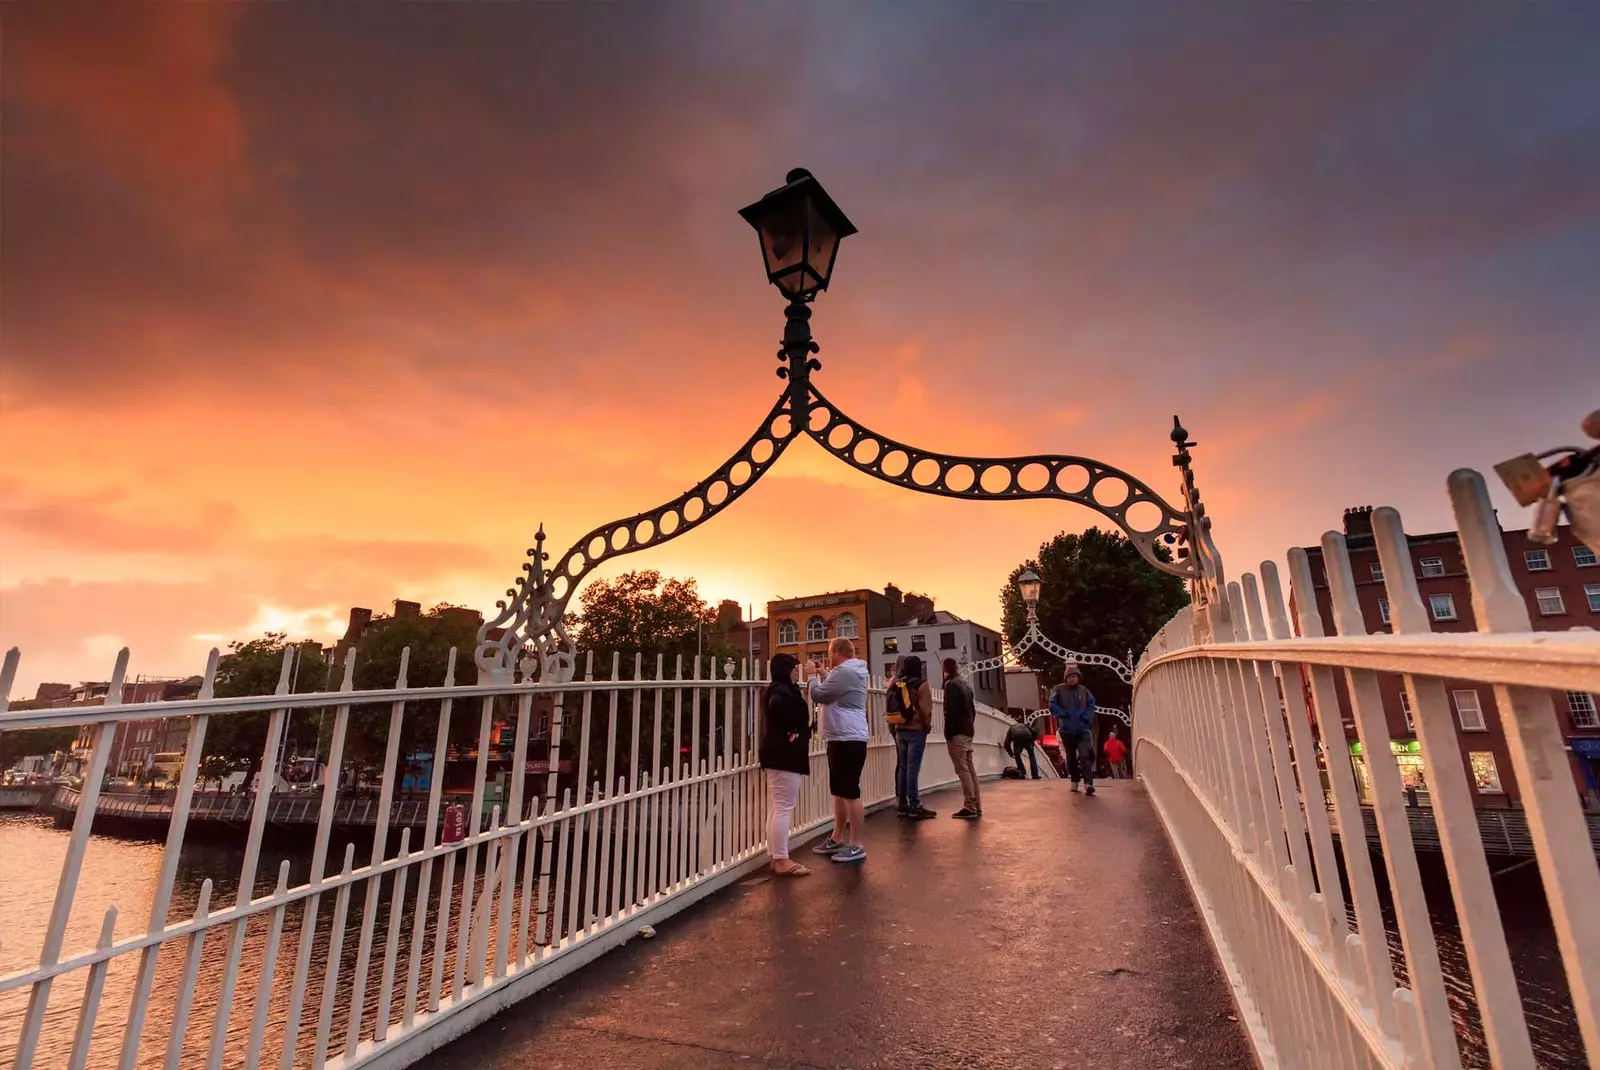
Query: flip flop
{"points": [[797, 870]]}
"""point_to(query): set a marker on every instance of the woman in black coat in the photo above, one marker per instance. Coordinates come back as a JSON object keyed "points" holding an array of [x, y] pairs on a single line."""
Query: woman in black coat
{"points": [[786, 756]]}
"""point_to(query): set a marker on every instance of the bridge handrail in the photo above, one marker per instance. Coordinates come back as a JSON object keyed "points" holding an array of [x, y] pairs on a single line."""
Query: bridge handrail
{"points": [[680, 829], [1227, 733]]}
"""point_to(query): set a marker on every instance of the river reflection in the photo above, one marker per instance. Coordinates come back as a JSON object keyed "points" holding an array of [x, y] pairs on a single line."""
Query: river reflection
{"points": [[124, 872]]}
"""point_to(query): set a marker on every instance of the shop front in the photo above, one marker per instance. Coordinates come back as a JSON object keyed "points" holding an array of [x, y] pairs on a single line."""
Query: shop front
{"points": [[1413, 771], [1586, 755]]}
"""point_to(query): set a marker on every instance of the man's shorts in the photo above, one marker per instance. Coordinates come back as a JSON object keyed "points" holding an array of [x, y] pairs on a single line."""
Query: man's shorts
{"points": [[846, 759]]}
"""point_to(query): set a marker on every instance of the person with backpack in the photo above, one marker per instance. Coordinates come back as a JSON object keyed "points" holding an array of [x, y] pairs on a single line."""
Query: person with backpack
{"points": [[786, 757], [960, 725], [1072, 705], [910, 710], [893, 699]]}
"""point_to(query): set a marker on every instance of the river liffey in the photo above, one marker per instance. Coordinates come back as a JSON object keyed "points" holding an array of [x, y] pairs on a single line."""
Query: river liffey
{"points": [[124, 872]]}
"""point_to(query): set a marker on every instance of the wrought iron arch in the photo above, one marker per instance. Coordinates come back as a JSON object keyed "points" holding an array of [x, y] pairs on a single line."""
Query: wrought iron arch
{"points": [[529, 635], [1068, 478]]}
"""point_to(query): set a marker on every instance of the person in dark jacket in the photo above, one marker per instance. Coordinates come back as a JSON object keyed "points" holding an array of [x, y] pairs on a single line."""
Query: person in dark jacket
{"points": [[960, 725], [1020, 739], [1072, 704], [786, 756]]}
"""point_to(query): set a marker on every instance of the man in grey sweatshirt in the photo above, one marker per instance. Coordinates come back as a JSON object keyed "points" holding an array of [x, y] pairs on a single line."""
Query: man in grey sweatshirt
{"points": [[844, 729]]}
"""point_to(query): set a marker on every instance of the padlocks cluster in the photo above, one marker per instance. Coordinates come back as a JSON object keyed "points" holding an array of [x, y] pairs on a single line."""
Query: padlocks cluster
{"points": [[1569, 485]]}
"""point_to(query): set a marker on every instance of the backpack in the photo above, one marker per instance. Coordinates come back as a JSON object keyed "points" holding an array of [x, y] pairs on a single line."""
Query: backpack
{"points": [[899, 705]]}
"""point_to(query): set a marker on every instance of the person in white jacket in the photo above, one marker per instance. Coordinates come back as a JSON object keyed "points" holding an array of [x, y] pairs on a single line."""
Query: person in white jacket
{"points": [[844, 729]]}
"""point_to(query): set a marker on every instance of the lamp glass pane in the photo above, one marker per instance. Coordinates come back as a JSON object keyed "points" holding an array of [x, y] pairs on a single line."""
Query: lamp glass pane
{"points": [[783, 237]]}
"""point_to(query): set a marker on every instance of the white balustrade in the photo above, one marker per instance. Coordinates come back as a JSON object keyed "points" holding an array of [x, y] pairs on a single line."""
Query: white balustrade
{"points": [[1226, 737], [663, 803]]}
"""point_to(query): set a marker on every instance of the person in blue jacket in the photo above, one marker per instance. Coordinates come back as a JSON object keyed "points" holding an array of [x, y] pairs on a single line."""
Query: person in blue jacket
{"points": [[1072, 705]]}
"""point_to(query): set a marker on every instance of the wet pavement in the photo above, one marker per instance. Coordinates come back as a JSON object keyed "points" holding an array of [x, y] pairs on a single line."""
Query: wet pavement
{"points": [[1055, 932]]}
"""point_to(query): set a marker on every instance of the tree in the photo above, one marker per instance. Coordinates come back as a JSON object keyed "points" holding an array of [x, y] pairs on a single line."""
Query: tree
{"points": [[644, 613], [430, 638], [253, 667], [1097, 595], [25, 742]]}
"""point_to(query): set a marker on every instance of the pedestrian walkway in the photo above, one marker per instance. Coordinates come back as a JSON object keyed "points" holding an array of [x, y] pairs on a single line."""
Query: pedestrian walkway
{"points": [[1057, 931]]}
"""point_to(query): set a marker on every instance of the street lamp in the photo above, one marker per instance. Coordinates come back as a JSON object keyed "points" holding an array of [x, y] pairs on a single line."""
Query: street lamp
{"points": [[800, 229], [1028, 585]]}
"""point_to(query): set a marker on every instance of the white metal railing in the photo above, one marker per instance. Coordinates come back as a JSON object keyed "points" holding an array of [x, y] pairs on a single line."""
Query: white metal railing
{"points": [[1226, 735], [423, 938]]}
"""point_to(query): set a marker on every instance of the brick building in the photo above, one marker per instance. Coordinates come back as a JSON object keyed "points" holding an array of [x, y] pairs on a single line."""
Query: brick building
{"points": [[805, 626], [1561, 584], [749, 637]]}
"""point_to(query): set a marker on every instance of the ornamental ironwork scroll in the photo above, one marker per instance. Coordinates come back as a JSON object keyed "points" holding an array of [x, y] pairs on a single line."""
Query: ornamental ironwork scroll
{"points": [[1012, 654], [528, 634]]}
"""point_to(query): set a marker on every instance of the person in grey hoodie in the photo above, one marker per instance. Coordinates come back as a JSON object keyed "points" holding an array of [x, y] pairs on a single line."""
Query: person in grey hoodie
{"points": [[844, 730]]}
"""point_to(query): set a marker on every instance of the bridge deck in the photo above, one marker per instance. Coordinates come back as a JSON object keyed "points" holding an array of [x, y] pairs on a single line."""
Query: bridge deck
{"points": [[1056, 932]]}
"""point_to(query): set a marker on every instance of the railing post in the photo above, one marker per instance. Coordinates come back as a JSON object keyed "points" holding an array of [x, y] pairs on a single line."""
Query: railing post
{"points": [[1483, 936], [1400, 859], [1538, 756], [1371, 946]]}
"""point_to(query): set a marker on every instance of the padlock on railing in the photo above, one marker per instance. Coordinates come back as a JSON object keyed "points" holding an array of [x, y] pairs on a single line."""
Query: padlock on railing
{"points": [[1570, 484]]}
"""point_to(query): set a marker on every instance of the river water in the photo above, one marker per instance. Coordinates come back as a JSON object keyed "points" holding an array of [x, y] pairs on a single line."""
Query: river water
{"points": [[125, 871]]}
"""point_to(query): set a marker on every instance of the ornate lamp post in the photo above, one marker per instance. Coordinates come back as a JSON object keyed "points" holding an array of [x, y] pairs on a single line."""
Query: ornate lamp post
{"points": [[800, 228], [1028, 585]]}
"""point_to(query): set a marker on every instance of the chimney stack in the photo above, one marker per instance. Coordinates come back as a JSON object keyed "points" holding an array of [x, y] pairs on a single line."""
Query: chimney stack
{"points": [[1358, 521]]}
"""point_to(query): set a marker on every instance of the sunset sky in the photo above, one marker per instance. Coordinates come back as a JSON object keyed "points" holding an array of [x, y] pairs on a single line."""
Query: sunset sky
{"points": [[312, 305]]}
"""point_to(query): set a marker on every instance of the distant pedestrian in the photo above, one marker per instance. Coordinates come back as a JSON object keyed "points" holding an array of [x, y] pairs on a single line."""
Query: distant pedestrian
{"points": [[786, 757], [960, 725], [911, 737], [1116, 756], [1019, 741], [844, 729], [1072, 705]]}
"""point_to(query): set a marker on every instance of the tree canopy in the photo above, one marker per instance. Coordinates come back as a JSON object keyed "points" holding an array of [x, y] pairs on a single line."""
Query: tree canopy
{"points": [[646, 613], [1097, 595]]}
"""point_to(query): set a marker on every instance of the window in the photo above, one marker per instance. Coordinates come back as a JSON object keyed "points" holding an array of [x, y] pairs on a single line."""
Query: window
{"points": [[919, 642], [891, 644], [947, 640], [1443, 606], [1377, 571], [788, 633], [888, 669], [1484, 775], [1405, 708], [1468, 712], [844, 626], [1584, 557], [816, 629], [1581, 703], [1432, 566], [1550, 601], [1536, 560], [1591, 591], [1383, 609]]}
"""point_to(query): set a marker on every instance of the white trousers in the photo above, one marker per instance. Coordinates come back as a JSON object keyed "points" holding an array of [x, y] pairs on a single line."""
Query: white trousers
{"points": [[785, 789]]}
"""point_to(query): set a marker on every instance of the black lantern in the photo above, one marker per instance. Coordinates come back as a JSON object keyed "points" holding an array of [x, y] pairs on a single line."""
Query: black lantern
{"points": [[800, 229], [1028, 586]]}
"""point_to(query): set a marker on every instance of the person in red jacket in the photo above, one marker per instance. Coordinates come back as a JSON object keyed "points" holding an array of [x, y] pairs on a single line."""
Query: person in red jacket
{"points": [[1116, 756]]}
